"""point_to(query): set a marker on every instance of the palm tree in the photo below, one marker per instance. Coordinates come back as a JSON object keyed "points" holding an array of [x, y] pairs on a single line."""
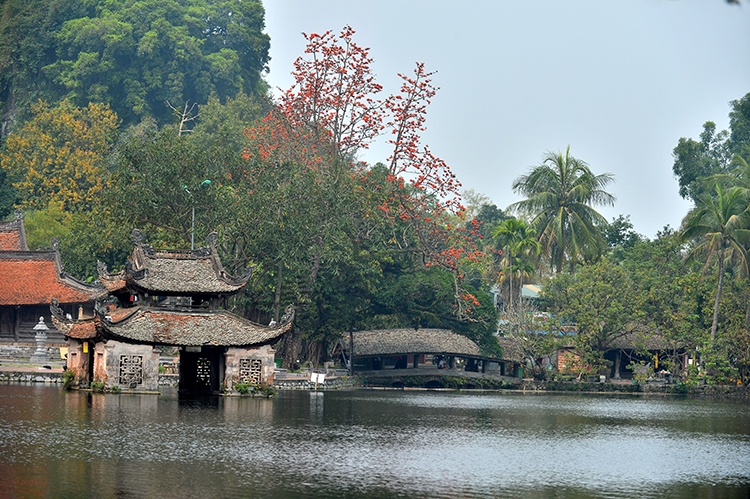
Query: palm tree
{"points": [[720, 223], [559, 193], [516, 238]]}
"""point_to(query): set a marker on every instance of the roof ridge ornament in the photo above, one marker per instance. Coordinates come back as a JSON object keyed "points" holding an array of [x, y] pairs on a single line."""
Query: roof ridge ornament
{"points": [[54, 243], [18, 215], [138, 237], [288, 315], [212, 239], [55, 308], [101, 268]]}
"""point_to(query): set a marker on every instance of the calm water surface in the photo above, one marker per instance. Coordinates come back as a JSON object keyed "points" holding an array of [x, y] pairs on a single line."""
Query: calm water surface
{"points": [[371, 444]]}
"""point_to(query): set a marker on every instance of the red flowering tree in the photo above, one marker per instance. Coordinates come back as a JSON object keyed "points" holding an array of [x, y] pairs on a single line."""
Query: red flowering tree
{"points": [[332, 111]]}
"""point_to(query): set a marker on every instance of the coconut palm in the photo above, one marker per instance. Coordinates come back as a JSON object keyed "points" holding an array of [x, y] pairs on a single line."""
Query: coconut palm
{"points": [[560, 192], [720, 225], [517, 239]]}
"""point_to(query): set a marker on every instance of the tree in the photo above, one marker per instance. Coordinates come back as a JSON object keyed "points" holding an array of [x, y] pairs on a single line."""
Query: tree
{"points": [[715, 154], [312, 135], [560, 191], [536, 337], [60, 156], [27, 45], [696, 161], [720, 225], [669, 295], [518, 241], [620, 236], [739, 123], [157, 177], [600, 300]]}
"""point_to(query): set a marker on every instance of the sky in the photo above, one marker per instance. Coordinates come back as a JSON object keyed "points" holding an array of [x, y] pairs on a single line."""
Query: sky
{"points": [[619, 81]]}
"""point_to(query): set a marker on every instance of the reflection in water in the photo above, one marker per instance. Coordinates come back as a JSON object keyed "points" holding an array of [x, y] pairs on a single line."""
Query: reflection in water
{"points": [[370, 444]]}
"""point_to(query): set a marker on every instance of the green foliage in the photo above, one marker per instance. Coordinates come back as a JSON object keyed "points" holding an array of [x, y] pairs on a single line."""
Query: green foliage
{"points": [[134, 56], [41, 226], [263, 390], [720, 224], [8, 195], [157, 177], [696, 161], [600, 300], [620, 236], [68, 379]]}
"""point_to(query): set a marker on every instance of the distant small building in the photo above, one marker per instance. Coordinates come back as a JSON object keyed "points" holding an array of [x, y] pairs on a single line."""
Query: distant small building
{"points": [[28, 282], [171, 299]]}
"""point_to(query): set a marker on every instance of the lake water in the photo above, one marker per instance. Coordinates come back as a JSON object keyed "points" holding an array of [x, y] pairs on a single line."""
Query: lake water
{"points": [[371, 444]]}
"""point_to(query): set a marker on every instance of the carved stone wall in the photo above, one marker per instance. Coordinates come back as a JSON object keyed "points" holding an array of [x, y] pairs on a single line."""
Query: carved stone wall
{"points": [[249, 365], [132, 367]]}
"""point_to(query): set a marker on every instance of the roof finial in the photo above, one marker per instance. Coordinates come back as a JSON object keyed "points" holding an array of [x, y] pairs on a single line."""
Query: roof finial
{"points": [[138, 237]]}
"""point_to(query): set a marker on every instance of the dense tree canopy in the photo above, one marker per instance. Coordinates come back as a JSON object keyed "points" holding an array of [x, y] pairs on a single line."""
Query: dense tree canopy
{"points": [[134, 56]]}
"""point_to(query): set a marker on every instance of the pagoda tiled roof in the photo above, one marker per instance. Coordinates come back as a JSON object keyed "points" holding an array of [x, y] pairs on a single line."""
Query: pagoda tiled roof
{"points": [[412, 341], [79, 330], [160, 326], [35, 277], [176, 272]]}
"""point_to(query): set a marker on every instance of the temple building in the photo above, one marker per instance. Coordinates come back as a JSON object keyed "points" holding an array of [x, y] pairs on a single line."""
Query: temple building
{"points": [[171, 299], [28, 282]]}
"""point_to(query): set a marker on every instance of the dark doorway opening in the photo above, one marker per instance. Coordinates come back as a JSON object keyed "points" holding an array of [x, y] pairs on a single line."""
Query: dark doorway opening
{"points": [[200, 372]]}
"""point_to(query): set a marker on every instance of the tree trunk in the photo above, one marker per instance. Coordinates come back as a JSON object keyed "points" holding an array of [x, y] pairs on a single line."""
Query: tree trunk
{"points": [[290, 348], [715, 324], [292, 345], [510, 285]]}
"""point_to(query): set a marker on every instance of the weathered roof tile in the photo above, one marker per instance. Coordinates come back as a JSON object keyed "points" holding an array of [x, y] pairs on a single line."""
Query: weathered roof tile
{"points": [[34, 277]]}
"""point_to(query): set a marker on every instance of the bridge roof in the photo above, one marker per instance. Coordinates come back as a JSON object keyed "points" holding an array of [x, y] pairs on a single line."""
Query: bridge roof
{"points": [[413, 341]]}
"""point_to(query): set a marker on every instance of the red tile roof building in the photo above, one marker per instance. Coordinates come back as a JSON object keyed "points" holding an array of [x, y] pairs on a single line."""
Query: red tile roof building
{"points": [[29, 280]]}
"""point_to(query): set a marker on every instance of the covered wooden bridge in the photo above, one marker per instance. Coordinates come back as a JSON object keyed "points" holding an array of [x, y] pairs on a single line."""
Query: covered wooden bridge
{"points": [[430, 353]]}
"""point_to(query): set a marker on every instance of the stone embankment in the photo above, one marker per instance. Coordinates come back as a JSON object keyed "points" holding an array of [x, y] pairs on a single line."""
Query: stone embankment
{"points": [[334, 380], [31, 375]]}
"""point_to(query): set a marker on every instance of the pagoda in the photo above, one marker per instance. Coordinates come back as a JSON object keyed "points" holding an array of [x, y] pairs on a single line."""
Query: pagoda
{"points": [[28, 282], [172, 299]]}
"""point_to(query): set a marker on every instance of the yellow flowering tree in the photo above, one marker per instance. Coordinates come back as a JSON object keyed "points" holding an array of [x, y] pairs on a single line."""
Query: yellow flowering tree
{"points": [[60, 156]]}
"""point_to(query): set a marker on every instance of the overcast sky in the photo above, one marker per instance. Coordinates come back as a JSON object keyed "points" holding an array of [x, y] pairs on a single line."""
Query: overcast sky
{"points": [[620, 81]]}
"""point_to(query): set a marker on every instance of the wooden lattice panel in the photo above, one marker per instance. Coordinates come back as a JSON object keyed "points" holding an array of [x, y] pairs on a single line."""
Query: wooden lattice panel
{"points": [[131, 369], [250, 370]]}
